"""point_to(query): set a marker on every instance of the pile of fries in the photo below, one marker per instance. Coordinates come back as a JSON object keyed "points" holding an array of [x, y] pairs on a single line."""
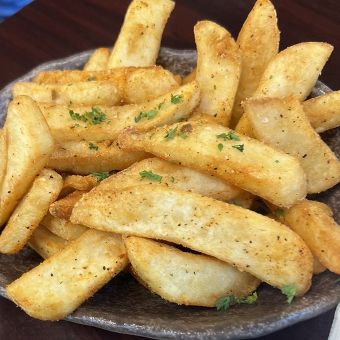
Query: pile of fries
{"points": [[126, 166]]}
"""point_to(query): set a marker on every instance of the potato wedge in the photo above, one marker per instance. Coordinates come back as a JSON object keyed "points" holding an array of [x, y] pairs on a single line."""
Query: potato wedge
{"points": [[3, 155], [63, 228], [218, 70], [240, 160], [79, 158], [283, 124], [134, 85], [190, 77], [318, 267], [313, 222], [65, 280], [80, 93], [294, 71], [140, 36], [323, 112], [29, 139], [259, 40], [185, 278], [98, 60], [77, 123], [76, 182], [63, 207], [45, 243], [30, 211], [249, 241]]}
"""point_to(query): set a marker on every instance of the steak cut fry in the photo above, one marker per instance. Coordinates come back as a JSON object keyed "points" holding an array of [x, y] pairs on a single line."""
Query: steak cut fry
{"points": [[30, 211], [60, 284], [185, 278], [219, 151], [250, 242], [98, 60]]}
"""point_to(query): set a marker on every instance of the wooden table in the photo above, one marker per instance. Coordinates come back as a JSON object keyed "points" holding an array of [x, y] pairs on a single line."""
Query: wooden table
{"points": [[49, 29]]}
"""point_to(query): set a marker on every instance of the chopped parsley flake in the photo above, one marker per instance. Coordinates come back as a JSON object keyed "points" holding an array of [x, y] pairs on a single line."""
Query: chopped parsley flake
{"points": [[279, 212], [95, 116], [93, 146], [151, 176], [171, 134], [176, 99], [149, 115], [224, 303], [172, 179], [100, 175], [239, 147], [290, 291], [229, 136], [220, 146]]}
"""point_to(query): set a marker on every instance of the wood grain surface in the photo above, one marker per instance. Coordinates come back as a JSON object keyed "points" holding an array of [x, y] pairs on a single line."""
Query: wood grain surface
{"points": [[49, 29]]}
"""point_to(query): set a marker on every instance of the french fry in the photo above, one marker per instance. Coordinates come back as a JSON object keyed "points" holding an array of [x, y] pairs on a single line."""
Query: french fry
{"points": [[78, 158], [45, 243], [249, 241], [323, 112], [63, 207], [313, 222], [259, 40], [283, 124], [218, 70], [318, 267], [185, 278], [3, 155], [30, 211], [80, 93], [239, 160], [294, 71], [29, 139], [134, 85], [171, 175], [140, 36], [77, 123], [65, 280], [76, 182], [98, 60], [190, 77], [63, 228]]}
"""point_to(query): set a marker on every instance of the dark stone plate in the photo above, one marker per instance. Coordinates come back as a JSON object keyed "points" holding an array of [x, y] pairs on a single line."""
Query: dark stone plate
{"points": [[124, 306]]}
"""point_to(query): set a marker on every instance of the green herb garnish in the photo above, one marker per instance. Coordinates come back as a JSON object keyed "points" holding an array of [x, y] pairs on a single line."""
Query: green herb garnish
{"points": [[93, 146], [224, 303], [239, 147], [148, 115], [229, 136], [151, 176], [220, 146], [77, 116], [172, 179], [171, 134], [176, 99], [290, 291], [95, 116], [100, 175]]}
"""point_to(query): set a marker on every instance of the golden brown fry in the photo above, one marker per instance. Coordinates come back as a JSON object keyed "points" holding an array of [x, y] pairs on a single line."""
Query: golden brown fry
{"points": [[249, 241], [313, 222], [80, 93], [218, 70], [79, 158], [63, 228], [66, 123], [98, 60], [185, 278], [214, 149], [30, 211], [63, 207], [190, 77], [283, 124], [65, 280], [140, 36], [259, 41], [172, 175], [294, 71], [323, 112], [134, 84], [29, 146], [318, 267], [45, 243], [76, 182]]}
